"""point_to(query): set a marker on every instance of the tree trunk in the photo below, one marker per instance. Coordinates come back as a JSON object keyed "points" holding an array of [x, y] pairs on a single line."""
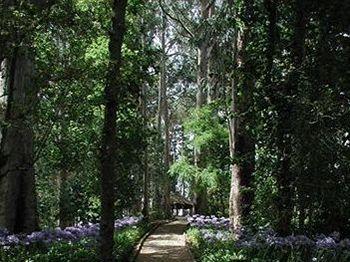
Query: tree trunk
{"points": [[212, 75], [146, 181], [285, 176], [242, 144], [64, 207], [202, 66], [167, 182], [18, 204], [3, 84], [271, 8], [112, 89], [235, 206], [200, 197], [163, 120]]}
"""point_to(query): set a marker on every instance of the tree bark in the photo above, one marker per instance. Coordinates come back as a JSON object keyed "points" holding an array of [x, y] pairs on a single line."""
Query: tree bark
{"points": [[3, 81], [271, 8], [18, 204], [285, 134], [235, 206], [242, 144], [108, 152], [212, 75], [163, 120], [200, 196], [64, 207], [202, 66], [146, 180]]}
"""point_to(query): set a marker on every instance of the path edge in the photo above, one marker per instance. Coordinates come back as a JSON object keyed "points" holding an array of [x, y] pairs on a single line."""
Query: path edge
{"points": [[138, 247]]}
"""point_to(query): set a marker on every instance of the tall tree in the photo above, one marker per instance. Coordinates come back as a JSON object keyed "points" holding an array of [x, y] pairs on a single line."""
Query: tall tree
{"points": [[146, 177], [163, 120], [3, 80], [286, 111], [203, 50], [108, 153], [18, 203], [242, 144]]}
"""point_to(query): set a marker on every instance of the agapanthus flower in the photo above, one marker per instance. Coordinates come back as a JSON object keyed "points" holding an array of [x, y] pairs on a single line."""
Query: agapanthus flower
{"points": [[71, 234]]}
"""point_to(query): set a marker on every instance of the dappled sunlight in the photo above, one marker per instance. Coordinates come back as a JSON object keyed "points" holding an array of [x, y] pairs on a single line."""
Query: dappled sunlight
{"points": [[167, 243]]}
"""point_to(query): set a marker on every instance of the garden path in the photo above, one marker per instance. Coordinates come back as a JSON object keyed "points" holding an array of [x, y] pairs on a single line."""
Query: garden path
{"points": [[166, 244]]}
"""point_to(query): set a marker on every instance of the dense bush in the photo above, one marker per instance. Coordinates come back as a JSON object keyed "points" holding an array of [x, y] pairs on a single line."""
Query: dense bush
{"points": [[79, 243], [211, 240]]}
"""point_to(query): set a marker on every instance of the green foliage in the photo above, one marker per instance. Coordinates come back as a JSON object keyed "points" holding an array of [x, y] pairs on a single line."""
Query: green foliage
{"points": [[71, 51], [206, 131], [184, 170], [126, 241], [84, 250], [207, 126], [226, 251]]}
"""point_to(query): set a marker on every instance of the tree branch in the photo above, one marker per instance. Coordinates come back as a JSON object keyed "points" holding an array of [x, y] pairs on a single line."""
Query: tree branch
{"points": [[175, 19]]}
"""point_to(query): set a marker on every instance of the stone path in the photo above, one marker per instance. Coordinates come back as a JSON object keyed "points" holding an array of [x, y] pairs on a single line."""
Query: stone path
{"points": [[166, 244]]}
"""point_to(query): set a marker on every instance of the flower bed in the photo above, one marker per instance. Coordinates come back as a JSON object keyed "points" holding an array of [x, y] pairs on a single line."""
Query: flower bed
{"points": [[76, 243], [74, 233], [211, 240]]}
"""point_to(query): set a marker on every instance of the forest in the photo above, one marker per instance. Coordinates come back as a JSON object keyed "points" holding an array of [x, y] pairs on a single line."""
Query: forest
{"points": [[188, 130]]}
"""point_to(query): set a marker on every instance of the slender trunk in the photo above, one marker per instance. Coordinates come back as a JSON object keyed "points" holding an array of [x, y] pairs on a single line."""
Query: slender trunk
{"points": [[108, 152], [144, 114], [164, 120], [143, 101], [200, 196], [271, 8], [3, 81], [202, 66], [159, 179], [235, 208], [212, 76], [167, 182], [64, 207]]}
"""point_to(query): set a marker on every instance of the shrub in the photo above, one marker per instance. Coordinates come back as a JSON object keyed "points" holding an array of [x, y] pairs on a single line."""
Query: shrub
{"points": [[211, 242], [74, 244]]}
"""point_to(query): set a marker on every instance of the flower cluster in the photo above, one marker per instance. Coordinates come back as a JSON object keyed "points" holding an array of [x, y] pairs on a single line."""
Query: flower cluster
{"points": [[215, 229], [72, 234], [200, 221], [216, 235]]}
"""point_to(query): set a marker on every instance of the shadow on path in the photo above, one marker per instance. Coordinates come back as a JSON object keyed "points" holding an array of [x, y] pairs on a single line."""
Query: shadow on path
{"points": [[166, 244]]}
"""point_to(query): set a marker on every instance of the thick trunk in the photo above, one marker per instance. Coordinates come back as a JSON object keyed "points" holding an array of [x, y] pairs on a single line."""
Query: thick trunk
{"points": [[112, 89], [242, 145], [285, 176], [18, 204], [201, 201]]}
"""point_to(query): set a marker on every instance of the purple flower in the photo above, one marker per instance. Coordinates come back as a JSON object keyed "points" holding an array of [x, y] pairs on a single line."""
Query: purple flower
{"points": [[73, 233], [215, 229], [326, 242]]}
